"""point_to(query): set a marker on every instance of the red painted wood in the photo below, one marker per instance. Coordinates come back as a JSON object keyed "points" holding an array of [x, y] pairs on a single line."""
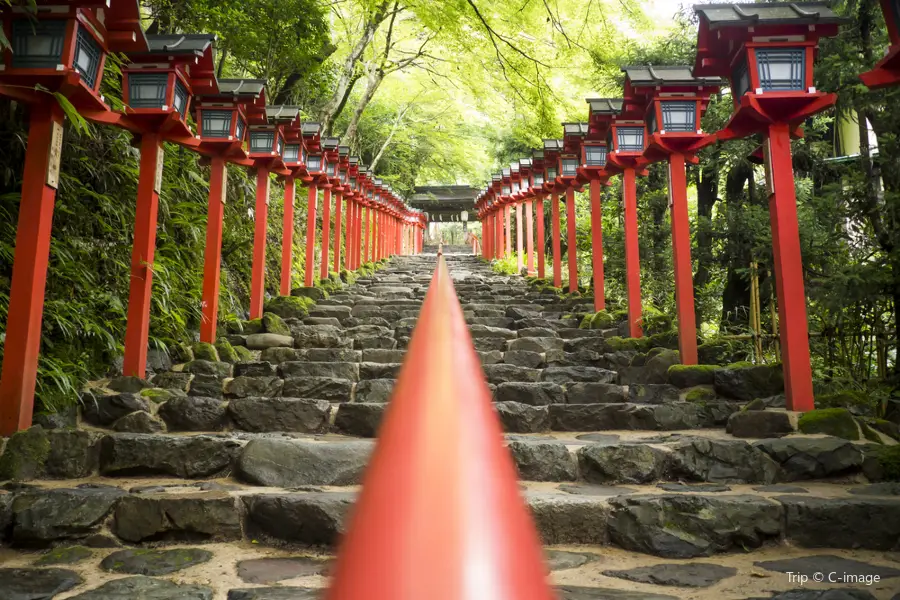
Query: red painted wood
{"points": [[557, 246], [326, 232], [348, 237], [541, 259], [572, 250], [367, 249], [212, 253], [681, 252], [597, 246], [311, 201], [446, 452], [792, 324], [29, 275], [529, 236], [287, 237], [508, 216], [519, 235], [142, 251], [260, 234], [337, 231], [632, 254]]}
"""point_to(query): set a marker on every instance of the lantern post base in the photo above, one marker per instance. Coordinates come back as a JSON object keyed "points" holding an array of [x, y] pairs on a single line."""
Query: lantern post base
{"points": [[29, 275], [212, 253], [557, 247], [287, 237], [309, 272], [597, 246], [681, 252], [137, 329], [260, 227], [632, 254], [792, 323]]}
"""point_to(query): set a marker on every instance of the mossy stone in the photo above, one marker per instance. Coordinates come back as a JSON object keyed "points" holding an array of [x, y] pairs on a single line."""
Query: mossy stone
{"points": [[158, 395], [226, 351], [888, 458], [585, 322], [289, 307], [666, 339], [755, 404], [685, 376], [243, 354], [830, 421], [205, 351], [620, 344], [180, 352], [869, 433], [888, 428], [252, 326], [25, 454], [602, 320], [272, 323], [700, 395], [66, 555]]}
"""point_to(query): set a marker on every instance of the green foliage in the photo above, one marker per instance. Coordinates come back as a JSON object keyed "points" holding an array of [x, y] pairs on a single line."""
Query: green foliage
{"points": [[888, 458]]}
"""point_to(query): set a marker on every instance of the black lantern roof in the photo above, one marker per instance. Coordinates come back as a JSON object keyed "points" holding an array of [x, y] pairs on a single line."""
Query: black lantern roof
{"points": [[553, 145], [574, 129], [605, 106], [330, 143], [241, 88], [177, 44], [354, 161], [506, 172], [668, 75], [310, 129], [496, 177], [344, 150], [282, 114], [767, 13], [525, 163], [537, 155]]}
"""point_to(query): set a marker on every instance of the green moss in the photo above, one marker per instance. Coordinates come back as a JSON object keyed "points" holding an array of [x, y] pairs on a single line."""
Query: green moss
{"points": [[288, 307], [740, 365], [602, 320], [668, 339], [205, 351], [656, 323], [25, 454], [243, 354], [888, 457], [68, 555], [179, 352], [700, 395], [755, 404], [691, 375], [869, 433], [226, 351], [272, 323], [830, 421], [348, 277], [157, 395], [620, 344]]}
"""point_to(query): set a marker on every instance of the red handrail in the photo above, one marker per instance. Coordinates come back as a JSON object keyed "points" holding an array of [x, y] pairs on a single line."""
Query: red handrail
{"points": [[440, 515]]}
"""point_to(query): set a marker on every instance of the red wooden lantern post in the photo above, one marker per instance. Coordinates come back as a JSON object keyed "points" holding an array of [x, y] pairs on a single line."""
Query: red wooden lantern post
{"points": [[158, 86], [341, 187], [887, 71], [295, 155], [625, 143], [222, 130], [350, 197], [314, 175], [573, 134], [61, 49], [674, 101], [593, 160], [527, 192], [266, 151], [552, 149], [515, 182], [499, 215], [537, 190], [331, 159], [768, 51]]}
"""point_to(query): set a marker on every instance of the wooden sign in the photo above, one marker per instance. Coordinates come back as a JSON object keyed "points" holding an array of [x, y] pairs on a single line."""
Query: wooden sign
{"points": [[157, 184], [55, 154]]}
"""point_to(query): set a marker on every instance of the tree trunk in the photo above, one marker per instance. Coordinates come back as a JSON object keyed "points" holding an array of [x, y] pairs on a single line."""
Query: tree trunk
{"points": [[707, 196], [736, 295], [373, 81], [333, 107], [387, 142]]}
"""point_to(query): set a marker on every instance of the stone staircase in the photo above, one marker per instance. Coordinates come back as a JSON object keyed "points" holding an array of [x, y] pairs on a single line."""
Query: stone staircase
{"points": [[232, 480]]}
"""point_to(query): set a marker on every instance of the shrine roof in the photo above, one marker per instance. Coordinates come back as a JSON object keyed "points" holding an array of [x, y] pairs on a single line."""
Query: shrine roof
{"points": [[681, 75]]}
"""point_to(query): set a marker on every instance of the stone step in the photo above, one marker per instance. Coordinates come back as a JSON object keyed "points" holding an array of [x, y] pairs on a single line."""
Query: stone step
{"points": [[646, 520]]}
